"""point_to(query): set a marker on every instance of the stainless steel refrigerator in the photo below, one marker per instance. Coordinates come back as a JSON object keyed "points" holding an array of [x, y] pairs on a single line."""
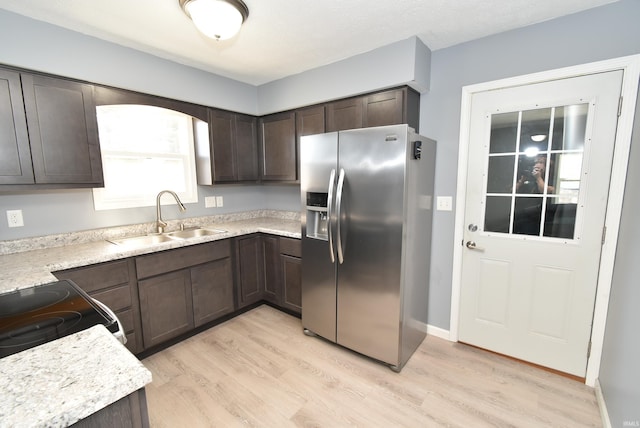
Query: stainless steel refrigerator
{"points": [[367, 197]]}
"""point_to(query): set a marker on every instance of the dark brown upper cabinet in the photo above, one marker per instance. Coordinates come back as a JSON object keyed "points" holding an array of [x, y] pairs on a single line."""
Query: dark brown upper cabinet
{"points": [[234, 147], [112, 96], [63, 131], [278, 153], [62, 148], [391, 107], [310, 120], [344, 114], [15, 154]]}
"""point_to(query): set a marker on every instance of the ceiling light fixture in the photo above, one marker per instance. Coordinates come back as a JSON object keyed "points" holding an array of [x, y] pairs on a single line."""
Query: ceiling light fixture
{"points": [[218, 19]]}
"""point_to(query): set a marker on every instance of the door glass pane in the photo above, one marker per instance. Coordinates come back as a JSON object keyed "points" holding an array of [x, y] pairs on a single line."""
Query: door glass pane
{"points": [[570, 126], [498, 214], [535, 131], [527, 214], [546, 152], [504, 132], [560, 219], [500, 175]]}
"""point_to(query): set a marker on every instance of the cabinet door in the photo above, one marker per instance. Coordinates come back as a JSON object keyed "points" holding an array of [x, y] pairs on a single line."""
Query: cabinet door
{"points": [[246, 148], [290, 262], [310, 121], [344, 114], [222, 136], [250, 270], [272, 287], [63, 131], [292, 283], [15, 155], [278, 147], [166, 306], [384, 108], [212, 289]]}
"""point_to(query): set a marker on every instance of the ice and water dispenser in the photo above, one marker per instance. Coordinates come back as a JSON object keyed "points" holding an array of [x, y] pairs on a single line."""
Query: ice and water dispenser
{"points": [[317, 216]]}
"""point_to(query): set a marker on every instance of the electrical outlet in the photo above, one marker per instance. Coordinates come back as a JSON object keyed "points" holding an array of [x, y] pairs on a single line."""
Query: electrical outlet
{"points": [[14, 218], [209, 201], [219, 201]]}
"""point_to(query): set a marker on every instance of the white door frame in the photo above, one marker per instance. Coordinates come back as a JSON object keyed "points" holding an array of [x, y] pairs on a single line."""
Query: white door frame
{"points": [[631, 67]]}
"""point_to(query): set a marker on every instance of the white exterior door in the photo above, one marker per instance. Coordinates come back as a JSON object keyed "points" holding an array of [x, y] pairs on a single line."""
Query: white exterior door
{"points": [[537, 182]]}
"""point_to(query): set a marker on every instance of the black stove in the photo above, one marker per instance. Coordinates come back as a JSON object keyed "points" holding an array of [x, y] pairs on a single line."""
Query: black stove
{"points": [[36, 315]]}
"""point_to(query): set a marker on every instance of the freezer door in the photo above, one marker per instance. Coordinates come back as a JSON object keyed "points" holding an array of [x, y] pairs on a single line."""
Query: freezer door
{"points": [[318, 163], [371, 236]]}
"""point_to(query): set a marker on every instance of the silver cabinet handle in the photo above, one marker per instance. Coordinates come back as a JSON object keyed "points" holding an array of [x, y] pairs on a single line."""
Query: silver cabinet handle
{"points": [[472, 246], [332, 182], [339, 214]]}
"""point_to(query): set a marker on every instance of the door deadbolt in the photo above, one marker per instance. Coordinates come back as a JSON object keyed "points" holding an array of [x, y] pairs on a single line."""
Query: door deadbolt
{"points": [[473, 227]]}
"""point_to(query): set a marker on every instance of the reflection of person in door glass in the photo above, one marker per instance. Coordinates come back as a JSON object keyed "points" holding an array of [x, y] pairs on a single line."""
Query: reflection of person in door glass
{"points": [[533, 181]]}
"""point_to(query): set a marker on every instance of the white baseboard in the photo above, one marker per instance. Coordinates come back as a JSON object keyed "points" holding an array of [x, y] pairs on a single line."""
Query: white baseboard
{"points": [[438, 332], [604, 414]]}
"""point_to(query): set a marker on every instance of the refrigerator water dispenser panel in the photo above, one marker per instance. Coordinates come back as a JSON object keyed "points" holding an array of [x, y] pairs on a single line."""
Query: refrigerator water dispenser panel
{"points": [[317, 216]]}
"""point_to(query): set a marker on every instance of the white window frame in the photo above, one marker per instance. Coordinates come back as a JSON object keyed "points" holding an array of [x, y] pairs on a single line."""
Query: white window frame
{"points": [[105, 200]]}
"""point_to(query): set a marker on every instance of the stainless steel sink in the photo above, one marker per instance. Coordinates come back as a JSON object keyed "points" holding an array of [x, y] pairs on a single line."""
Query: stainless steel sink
{"points": [[194, 233], [140, 241], [158, 238]]}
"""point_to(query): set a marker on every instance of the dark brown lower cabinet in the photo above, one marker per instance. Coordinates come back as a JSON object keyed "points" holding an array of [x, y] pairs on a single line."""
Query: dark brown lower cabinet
{"points": [[183, 288], [166, 306], [212, 290], [249, 270], [114, 284], [268, 268], [290, 264], [271, 258], [128, 412]]}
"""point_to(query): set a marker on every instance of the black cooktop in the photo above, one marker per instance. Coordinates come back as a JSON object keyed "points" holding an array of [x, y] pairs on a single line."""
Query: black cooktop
{"points": [[36, 315]]}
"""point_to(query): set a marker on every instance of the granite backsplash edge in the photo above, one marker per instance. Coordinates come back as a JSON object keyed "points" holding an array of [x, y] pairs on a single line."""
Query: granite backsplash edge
{"points": [[115, 232]]}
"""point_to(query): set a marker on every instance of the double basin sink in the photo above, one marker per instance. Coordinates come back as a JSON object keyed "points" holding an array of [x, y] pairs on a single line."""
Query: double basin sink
{"points": [[158, 238]]}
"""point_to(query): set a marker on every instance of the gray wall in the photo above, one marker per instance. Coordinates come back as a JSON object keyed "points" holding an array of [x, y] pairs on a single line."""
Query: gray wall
{"points": [[39, 46], [620, 364], [606, 32], [36, 45], [403, 62], [602, 33]]}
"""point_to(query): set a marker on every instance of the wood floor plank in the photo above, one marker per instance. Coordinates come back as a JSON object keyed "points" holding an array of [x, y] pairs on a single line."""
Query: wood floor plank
{"points": [[259, 369]]}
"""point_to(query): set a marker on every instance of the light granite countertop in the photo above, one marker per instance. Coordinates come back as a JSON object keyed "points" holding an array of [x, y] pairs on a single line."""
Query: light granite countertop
{"points": [[61, 382], [23, 269]]}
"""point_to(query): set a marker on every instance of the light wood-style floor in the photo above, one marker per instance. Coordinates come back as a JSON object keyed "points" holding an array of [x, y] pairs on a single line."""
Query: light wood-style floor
{"points": [[259, 369]]}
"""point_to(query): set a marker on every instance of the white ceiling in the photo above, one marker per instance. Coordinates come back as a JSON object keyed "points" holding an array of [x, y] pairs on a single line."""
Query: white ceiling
{"points": [[285, 37]]}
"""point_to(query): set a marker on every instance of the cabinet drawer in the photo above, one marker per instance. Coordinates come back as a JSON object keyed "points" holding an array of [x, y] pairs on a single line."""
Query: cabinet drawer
{"points": [[126, 319], [291, 247], [116, 298], [172, 260], [97, 277]]}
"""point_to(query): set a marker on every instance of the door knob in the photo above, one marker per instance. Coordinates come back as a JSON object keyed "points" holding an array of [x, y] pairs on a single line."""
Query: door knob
{"points": [[472, 246]]}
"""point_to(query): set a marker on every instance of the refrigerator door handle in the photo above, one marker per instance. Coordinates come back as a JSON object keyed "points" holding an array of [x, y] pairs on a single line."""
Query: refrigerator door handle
{"points": [[332, 182], [339, 215]]}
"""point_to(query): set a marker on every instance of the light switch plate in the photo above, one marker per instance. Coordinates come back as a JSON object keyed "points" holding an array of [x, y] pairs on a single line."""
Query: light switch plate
{"points": [[209, 201], [444, 203], [219, 201]]}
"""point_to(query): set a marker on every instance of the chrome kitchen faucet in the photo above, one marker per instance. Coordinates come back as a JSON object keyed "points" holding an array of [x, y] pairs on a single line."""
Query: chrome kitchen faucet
{"points": [[161, 224]]}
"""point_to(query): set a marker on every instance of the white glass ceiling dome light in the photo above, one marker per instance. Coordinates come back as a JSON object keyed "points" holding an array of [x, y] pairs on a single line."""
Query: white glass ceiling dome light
{"points": [[217, 19]]}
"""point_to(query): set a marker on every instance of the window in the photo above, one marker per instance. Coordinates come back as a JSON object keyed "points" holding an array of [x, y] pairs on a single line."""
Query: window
{"points": [[145, 149], [534, 170]]}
